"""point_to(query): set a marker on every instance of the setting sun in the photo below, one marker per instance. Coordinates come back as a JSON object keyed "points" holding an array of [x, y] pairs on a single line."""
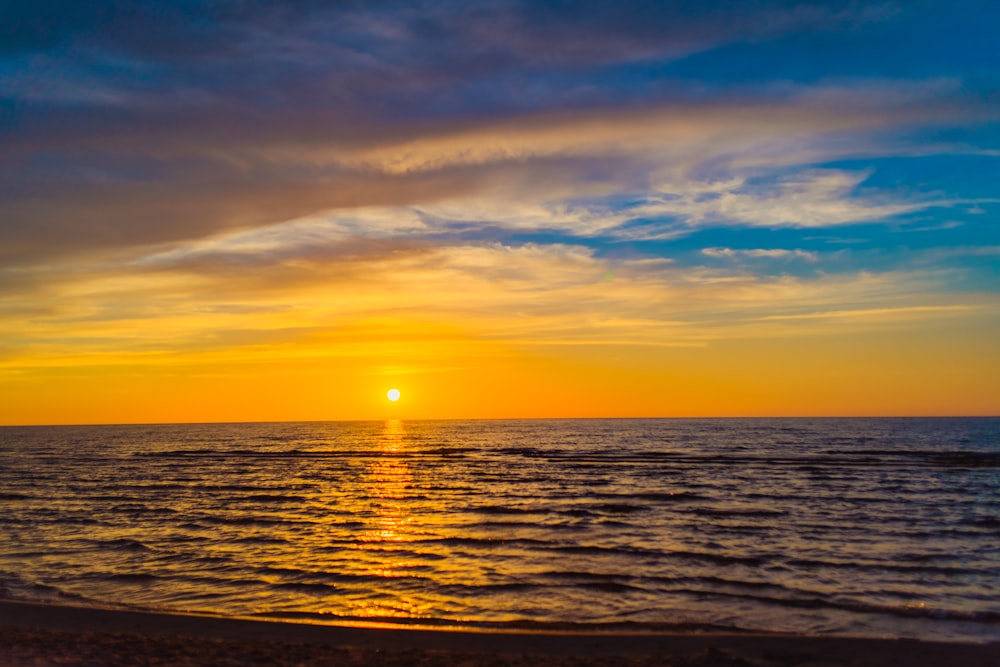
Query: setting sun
{"points": [[392, 395]]}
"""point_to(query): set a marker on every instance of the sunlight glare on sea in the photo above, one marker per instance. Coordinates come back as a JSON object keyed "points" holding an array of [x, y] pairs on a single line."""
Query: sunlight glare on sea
{"points": [[882, 527]]}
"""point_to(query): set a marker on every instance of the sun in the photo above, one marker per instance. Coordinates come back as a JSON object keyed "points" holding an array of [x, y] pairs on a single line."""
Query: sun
{"points": [[392, 395]]}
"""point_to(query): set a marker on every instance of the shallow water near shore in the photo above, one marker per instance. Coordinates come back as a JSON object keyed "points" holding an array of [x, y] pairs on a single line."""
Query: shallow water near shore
{"points": [[872, 527]]}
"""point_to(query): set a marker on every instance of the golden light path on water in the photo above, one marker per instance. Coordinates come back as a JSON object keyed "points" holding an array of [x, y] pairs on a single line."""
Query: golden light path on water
{"points": [[388, 478]]}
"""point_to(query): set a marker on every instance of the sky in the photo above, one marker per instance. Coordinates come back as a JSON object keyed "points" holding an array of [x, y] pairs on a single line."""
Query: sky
{"points": [[257, 211]]}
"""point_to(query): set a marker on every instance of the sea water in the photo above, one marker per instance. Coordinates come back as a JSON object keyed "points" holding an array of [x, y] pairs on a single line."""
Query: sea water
{"points": [[867, 527]]}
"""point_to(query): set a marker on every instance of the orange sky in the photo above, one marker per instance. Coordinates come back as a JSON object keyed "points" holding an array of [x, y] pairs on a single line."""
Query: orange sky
{"points": [[865, 367]]}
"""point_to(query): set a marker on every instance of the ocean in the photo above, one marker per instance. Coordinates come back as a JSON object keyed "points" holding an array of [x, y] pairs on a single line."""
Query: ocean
{"points": [[863, 527]]}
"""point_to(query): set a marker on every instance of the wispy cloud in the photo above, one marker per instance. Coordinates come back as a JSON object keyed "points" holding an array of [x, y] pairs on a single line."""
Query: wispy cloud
{"points": [[766, 253], [168, 175], [531, 294], [871, 313], [813, 198]]}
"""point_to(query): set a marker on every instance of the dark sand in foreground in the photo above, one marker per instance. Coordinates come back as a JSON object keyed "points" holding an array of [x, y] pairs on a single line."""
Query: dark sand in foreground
{"points": [[42, 634]]}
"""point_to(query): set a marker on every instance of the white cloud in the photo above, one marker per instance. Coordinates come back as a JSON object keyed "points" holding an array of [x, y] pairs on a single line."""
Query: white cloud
{"points": [[811, 198], [768, 253]]}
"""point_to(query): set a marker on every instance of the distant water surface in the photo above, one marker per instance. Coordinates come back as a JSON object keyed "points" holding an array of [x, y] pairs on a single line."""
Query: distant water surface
{"points": [[877, 527]]}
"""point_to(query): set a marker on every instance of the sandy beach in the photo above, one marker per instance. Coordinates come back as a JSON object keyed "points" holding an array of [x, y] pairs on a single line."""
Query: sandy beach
{"points": [[45, 634]]}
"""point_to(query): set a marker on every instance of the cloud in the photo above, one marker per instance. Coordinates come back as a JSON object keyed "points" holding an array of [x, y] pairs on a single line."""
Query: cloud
{"points": [[266, 168], [870, 313], [491, 34], [781, 128], [814, 198], [350, 294], [153, 124], [767, 253], [806, 199]]}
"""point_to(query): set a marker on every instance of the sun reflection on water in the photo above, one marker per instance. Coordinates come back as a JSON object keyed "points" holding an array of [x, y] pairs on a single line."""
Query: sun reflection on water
{"points": [[387, 480]]}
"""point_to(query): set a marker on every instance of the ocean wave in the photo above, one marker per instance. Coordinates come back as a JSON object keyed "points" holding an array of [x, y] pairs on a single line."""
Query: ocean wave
{"points": [[132, 577], [816, 525], [121, 544], [500, 509], [315, 587]]}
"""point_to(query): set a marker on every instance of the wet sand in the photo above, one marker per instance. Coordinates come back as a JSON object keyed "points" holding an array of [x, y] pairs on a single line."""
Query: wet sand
{"points": [[45, 634]]}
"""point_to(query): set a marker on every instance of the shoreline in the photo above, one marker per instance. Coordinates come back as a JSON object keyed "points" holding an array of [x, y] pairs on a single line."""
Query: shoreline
{"points": [[40, 633]]}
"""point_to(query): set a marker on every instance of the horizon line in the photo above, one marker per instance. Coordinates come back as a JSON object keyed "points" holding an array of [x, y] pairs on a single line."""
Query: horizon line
{"points": [[456, 419]]}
